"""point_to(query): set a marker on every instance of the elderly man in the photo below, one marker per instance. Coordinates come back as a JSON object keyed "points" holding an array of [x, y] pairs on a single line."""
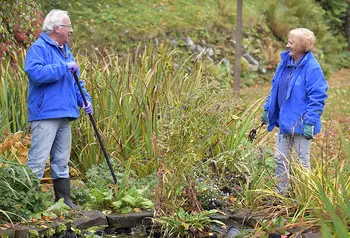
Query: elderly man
{"points": [[53, 100]]}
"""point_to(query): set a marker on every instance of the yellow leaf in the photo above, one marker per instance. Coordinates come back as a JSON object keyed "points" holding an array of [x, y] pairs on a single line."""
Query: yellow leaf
{"points": [[136, 209], [186, 226]]}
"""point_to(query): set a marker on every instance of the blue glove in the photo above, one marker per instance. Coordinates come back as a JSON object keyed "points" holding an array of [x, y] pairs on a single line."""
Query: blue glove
{"points": [[72, 67], [264, 117], [308, 132], [88, 109]]}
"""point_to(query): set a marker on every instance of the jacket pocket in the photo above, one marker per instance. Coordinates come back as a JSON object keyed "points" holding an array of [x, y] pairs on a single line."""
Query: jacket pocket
{"points": [[40, 102]]}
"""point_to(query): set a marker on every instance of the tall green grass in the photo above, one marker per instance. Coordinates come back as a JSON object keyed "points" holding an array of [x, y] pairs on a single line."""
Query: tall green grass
{"points": [[13, 96], [177, 121], [131, 95]]}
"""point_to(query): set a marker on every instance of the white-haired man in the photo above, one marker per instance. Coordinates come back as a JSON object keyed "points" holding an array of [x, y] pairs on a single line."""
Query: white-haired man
{"points": [[53, 100]]}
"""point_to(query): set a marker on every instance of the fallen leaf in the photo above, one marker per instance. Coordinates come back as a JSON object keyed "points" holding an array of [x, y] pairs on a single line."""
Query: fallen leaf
{"points": [[136, 209]]}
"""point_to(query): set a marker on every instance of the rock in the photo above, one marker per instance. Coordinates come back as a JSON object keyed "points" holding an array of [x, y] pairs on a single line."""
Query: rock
{"points": [[132, 219], [311, 235], [21, 232], [190, 43], [220, 217], [244, 217], [90, 219], [199, 48], [263, 70], [210, 52], [231, 232], [251, 60], [227, 64]]}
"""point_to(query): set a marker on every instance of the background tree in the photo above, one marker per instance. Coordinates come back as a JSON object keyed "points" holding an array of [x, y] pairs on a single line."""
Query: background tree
{"points": [[347, 23], [20, 25], [335, 12]]}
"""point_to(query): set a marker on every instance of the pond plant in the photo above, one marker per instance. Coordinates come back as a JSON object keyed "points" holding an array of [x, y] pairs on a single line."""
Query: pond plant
{"points": [[176, 134]]}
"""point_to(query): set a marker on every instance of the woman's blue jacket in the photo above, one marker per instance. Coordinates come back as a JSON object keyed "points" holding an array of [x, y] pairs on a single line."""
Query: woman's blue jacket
{"points": [[305, 99], [52, 91]]}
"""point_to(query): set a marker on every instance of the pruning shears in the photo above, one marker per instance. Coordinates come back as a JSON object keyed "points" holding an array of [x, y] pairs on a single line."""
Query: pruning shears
{"points": [[252, 133]]}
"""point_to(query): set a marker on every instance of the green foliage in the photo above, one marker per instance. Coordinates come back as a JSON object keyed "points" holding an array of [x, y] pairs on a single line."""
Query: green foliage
{"points": [[20, 26], [274, 225], [59, 208], [133, 198], [127, 22], [335, 215], [313, 17], [335, 12], [339, 214], [13, 94], [20, 192], [130, 193], [184, 224], [124, 202]]}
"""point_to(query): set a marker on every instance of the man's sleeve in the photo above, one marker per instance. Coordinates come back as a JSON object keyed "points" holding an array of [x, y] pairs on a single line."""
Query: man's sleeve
{"points": [[316, 87], [39, 71]]}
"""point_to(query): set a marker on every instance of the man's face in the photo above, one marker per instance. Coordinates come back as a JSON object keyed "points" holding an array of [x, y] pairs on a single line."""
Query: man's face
{"points": [[64, 31]]}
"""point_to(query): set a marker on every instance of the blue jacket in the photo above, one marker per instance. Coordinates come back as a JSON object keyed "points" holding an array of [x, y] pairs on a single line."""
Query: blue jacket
{"points": [[305, 99], [52, 91]]}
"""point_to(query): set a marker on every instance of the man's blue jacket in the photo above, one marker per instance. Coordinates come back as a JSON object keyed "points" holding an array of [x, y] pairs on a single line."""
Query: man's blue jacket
{"points": [[52, 91], [305, 99]]}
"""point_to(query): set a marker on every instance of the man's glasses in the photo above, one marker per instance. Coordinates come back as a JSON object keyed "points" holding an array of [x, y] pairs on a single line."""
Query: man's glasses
{"points": [[68, 26]]}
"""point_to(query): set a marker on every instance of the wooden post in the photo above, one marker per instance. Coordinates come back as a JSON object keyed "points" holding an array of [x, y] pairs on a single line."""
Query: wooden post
{"points": [[237, 71]]}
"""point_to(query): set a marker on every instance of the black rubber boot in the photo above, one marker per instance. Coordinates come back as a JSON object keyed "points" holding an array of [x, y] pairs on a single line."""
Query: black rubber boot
{"points": [[61, 187]]}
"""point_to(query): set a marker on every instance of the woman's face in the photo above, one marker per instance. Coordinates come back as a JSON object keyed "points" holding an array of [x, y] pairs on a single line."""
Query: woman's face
{"points": [[295, 50]]}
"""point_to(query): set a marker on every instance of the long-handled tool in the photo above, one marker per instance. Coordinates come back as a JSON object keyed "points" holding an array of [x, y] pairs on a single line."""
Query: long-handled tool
{"points": [[96, 131]]}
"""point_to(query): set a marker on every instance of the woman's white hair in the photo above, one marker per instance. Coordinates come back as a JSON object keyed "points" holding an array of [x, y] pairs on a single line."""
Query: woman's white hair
{"points": [[306, 38], [54, 18]]}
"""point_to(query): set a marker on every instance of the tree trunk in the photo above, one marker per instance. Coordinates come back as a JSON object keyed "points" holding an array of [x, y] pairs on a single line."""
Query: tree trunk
{"points": [[347, 23], [236, 87]]}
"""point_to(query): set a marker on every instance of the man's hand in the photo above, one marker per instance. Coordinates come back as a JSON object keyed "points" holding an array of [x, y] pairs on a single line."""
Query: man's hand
{"points": [[308, 132], [264, 117], [88, 109], [73, 67]]}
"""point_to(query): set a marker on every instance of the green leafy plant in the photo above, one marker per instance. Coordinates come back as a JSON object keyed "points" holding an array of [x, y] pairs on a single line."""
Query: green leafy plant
{"points": [[133, 198], [185, 224], [20, 192]]}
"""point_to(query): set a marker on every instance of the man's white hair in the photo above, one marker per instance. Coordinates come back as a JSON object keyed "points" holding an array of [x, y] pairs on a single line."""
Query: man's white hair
{"points": [[54, 18]]}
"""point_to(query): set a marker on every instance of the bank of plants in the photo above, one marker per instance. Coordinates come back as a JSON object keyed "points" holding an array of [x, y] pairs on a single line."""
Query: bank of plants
{"points": [[176, 129], [21, 195]]}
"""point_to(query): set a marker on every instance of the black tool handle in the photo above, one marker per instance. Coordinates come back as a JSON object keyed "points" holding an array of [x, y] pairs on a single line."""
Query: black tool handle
{"points": [[96, 130]]}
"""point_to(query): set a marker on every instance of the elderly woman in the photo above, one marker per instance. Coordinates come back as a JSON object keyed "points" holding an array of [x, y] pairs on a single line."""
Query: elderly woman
{"points": [[295, 104]]}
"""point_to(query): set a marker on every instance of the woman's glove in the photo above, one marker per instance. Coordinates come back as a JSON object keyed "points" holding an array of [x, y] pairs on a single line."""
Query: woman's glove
{"points": [[264, 117], [308, 132]]}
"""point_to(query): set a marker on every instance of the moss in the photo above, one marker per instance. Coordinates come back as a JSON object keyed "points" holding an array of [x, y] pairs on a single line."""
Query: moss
{"points": [[61, 228], [50, 232], [33, 234]]}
